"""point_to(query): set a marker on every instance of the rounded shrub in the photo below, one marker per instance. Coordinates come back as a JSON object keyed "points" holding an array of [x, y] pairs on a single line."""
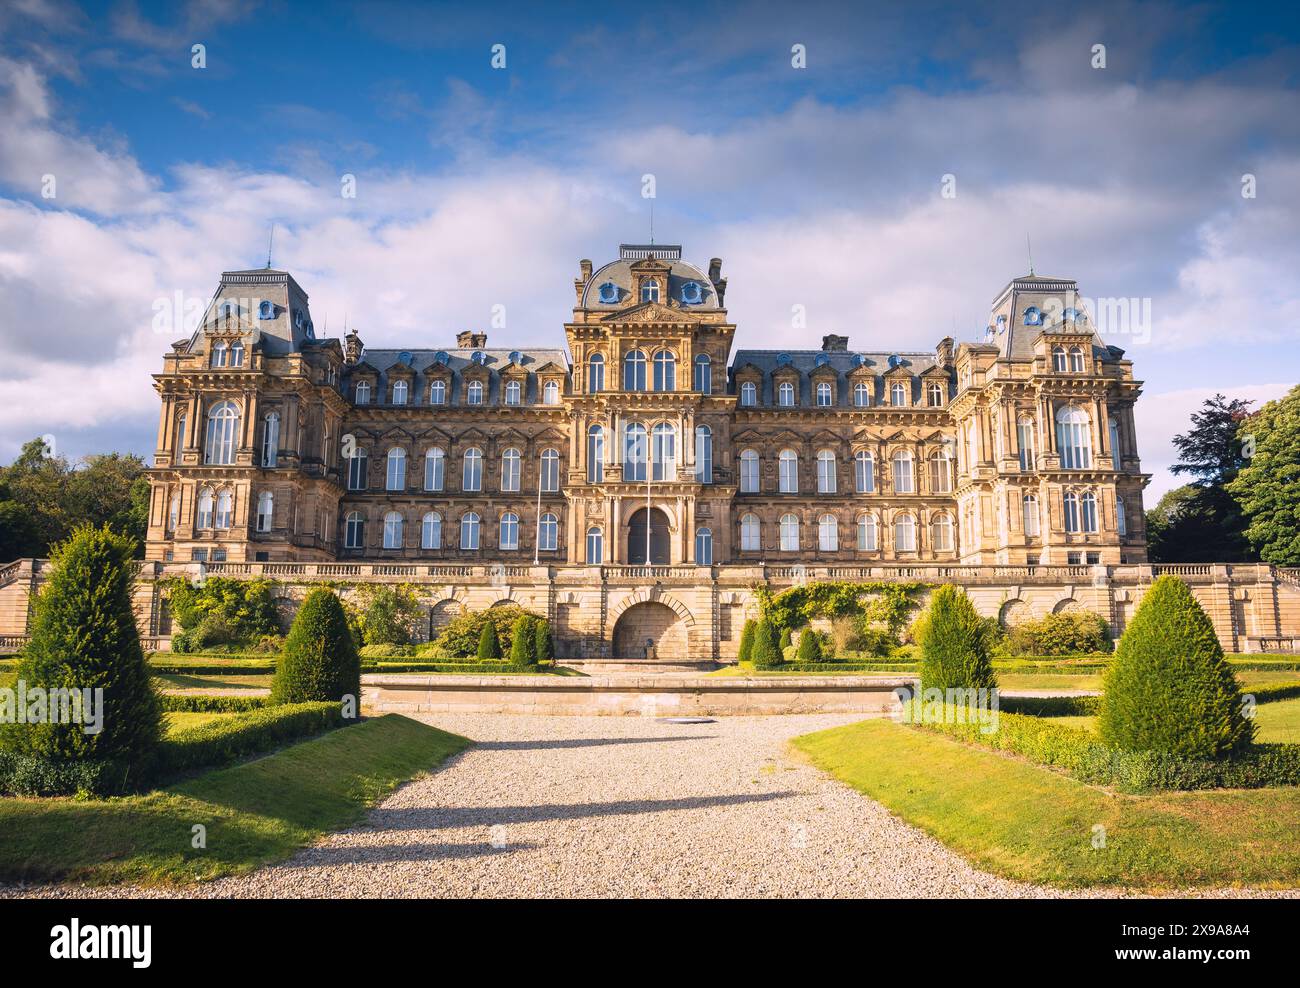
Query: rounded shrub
{"points": [[954, 644], [810, 647], [766, 654], [84, 637], [1169, 688], [523, 641], [746, 651], [489, 646], [319, 662]]}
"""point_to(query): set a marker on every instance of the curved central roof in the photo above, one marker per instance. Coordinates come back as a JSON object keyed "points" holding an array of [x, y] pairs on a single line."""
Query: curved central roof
{"points": [[619, 274]]}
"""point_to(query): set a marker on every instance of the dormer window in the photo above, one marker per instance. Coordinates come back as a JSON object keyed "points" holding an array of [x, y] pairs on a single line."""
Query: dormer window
{"points": [[297, 318], [551, 393], [608, 293], [478, 357], [1070, 315], [514, 391], [438, 393], [363, 393], [475, 393], [266, 310], [220, 354], [1001, 323], [691, 293], [399, 392], [785, 395], [236, 354], [1033, 317], [650, 291]]}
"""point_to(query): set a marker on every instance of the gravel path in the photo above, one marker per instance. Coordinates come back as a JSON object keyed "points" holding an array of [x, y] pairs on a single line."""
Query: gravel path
{"points": [[606, 806]]}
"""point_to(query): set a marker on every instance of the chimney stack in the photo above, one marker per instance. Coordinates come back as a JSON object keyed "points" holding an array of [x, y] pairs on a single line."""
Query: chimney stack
{"points": [[352, 347], [470, 340], [835, 344]]}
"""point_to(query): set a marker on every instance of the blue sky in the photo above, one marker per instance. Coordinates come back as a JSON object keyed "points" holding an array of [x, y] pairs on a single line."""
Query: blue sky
{"points": [[480, 186]]}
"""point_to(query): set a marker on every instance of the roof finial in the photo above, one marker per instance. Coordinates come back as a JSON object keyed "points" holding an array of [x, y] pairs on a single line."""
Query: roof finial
{"points": [[652, 221], [1030, 248], [269, 242]]}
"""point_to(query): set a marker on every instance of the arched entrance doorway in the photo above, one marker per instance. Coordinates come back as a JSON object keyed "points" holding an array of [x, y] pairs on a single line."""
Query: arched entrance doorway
{"points": [[658, 542], [650, 621]]}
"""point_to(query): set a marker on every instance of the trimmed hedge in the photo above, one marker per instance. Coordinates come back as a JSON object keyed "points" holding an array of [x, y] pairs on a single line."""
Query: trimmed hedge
{"points": [[199, 703], [231, 738], [765, 654], [954, 644], [746, 651], [1276, 691], [199, 669], [488, 667], [319, 662], [1050, 706]]}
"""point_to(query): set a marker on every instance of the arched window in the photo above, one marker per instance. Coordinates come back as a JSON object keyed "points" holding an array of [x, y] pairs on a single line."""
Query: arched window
{"points": [[548, 535], [823, 394], [271, 439], [904, 533], [1121, 517], [393, 530], [431, 531], [354, 532], [864, 471], [934, 395], [435, 468], [941, 473], [237, 354], [174, 512], [788, 472], [704, 454], [789, 533], [650, 290], [265, 511], [635, 452], [225, 510], [861, 394], [220, 354], [551, 393], [1089, 505], [1029, 504], [828, 534], [206, 502], [396, 477], [469, 528], [1076, 360], [181, 437], [748, 394], [509, 537], [785, 395], [898, 393], [867, 536], [595, 546], [595, 455], [665, 371], [1074, 438], [510, 462], [1025, 440], [400, 389], [358, 470], [703, 374], [941, 532], [438, 392], [596, 373], [514, 392], [634, 371], [703, 547], [750, 534], [608, 293], [223, 428], [550, 470], [475, 392], [1033, 317], [663, 451], [471, 478], [1059, 360], [1071, 512], [362, 393], [748, 471], [904, 478], [826, 481], [1116, 458]]}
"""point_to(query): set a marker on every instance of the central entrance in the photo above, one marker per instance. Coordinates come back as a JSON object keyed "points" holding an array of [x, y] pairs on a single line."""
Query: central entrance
{"points": [[658, 541], [650, 621]]}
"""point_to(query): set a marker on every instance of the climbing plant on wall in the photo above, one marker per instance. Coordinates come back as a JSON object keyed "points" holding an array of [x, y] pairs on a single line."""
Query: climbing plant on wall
{"points": [[877, 603]]}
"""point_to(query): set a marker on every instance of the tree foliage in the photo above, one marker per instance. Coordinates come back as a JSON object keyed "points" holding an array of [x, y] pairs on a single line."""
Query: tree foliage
{"points": [[221, 612], [1268, 487], [954, 643], [319, 662], [766, 654], [387, 615], [746, 650], [489, 646], [1067, 633], [460, 637]]}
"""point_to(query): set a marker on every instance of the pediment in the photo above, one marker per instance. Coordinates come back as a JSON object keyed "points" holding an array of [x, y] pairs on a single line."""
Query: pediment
{"points": [[551, 367], [651, 312]]}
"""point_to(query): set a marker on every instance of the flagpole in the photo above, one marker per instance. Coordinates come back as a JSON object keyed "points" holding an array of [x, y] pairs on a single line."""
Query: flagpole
{"points": [[537, 535]]}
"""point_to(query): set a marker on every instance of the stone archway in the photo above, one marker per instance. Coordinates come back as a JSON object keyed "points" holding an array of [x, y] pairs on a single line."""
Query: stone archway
{"points": [[1014, 611], [651, 620]]}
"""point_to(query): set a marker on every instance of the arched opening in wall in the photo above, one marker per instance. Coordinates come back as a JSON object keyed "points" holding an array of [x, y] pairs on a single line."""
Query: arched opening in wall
{"points": [[1066, 606], [1013, 612], [440, 615], [658, 538], [650, 621]]}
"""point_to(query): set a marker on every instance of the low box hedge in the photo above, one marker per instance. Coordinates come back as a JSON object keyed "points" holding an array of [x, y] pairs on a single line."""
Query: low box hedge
{"points": [[487, 667], [1082, 755], [1272, 692], [252, 732], [1051, 706], [202, 703]]}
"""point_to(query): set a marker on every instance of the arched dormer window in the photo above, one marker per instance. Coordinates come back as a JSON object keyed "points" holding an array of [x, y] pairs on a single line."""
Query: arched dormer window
{"points": [[691, 293], [824, 394], [362, 394], [748, 394], [1076, 360], [596, 373], [551, 393], [934, 395], [220, 354], [1033, 317], [237, 354], [474, 393], [514, 392], [400, 392], [266, 310], [785, 395], [861, 395], [608, 293], [898, 393], [438, 392]]}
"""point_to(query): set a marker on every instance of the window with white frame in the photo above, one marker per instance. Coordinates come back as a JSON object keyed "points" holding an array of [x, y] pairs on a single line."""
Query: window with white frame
{"points": [[174, 512], [1071, 503], [703, 547], [435, 468], [861, 394], [223, 431], [1025, 440], [510, 469], [634, 371], [1029, 505], [665, 373], [400, 389], [431, 531], [475, 393], [828, 534], [1074, 438], [206, 502], [1115, 453], [904, 533], [941, 532], [550, 470], [1076, 360], [396, 477], [1059, 361], [514, 393], [748, 471], [904, 475], [867, 534], [362, 393], [471, 478], [354, 531], [898, 393], [703, 374], [358, 470], [864, 471], [636, 448], [595, 455], [785, 395], [596, 373], [748, 394], [823, 394], [789, 533], [225, 510], [826, 472], [750, 533], [509, 535], [941, 473], [392, 530], [935, 395], [649, 290], [551, 393], [1088, 506], [271, 439], [595, 546], [1121, 516], [663, 451], [788, 472], [548, 537], [438, 392], [703, 454], [469, 530], [265, 511]]}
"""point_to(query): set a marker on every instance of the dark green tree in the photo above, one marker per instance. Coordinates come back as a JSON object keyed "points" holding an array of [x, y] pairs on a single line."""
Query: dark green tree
{"points": [[319, 662], [810, 646], [1169, 687], [489, 646], [766, 654], [543, 642], [1268, 487], [746, 651], [954, 644], [523, 641]]}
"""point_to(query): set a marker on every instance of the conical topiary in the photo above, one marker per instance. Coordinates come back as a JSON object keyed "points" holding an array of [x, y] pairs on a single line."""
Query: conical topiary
{"points": [[489, 647], [810, 646], [319, 662], [84, 636], [765, 654], [543, 644], [954, 644], [523, 641], [746, 651], [786, 640], [1169, 688]]}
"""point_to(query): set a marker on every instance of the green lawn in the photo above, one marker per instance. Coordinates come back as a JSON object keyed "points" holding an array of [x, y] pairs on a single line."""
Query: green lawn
{"points": [[183, 682], [1026, 822], [178, 720], [256, 812], [1277, 722]]}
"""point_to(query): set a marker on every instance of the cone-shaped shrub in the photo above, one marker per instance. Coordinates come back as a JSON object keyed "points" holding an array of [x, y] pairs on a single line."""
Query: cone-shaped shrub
{"points": [[489, 646], [319, 662], [810, 646], [543, 645], [746, 652], [84, 637], [1169, 687], [765, 654], [954, 644], [523, 641], [786, 639]]}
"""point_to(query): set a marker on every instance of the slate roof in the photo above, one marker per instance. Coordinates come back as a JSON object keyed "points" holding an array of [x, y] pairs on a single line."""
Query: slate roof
{"points": [[842, 362]]}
